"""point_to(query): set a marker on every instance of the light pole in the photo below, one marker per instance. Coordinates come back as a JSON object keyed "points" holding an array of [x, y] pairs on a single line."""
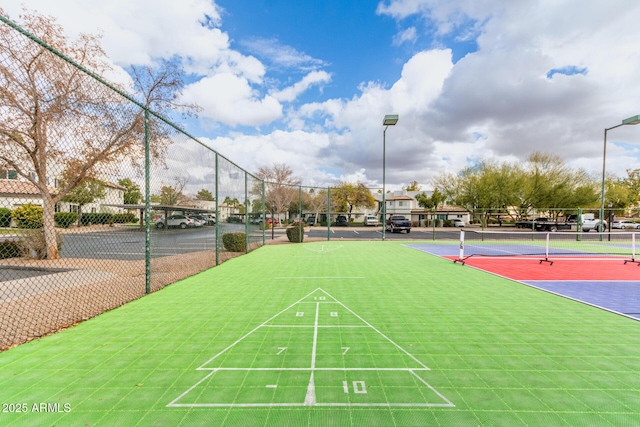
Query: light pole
{"points": [[630, 121], [389, 120]]}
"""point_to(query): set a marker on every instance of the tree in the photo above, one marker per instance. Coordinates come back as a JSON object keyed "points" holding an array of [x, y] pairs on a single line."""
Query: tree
{"points": [[205, 195], [85, 192], [543, 182], [132, 193], [414, 186], [281, 186], [53, 114], [430, 202], [632, 181], [349, 196]]}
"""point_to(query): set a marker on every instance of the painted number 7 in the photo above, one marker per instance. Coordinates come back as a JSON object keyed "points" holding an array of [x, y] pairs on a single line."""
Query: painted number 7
{"points": [[345, 350], [281, 350]]}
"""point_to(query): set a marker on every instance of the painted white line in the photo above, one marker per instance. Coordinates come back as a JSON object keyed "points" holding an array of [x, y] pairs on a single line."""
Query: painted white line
{"points": [[320, 277], [256, 328], [280, 405], [372, 327], [315, 369], [173, 404], [433, 389], [355, 232], [310, 398]]}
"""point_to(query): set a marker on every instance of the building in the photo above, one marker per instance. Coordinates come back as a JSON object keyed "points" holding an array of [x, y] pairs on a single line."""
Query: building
{"points": [[15, 192]]}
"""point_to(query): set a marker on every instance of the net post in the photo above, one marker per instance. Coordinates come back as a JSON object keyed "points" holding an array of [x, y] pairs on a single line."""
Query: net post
{"points": [[461, 253], [633, 250], [246, 213], [546, 250]]}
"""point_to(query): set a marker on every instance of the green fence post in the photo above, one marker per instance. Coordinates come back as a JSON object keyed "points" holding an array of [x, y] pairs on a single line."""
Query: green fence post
{"points": [[217, 216], [246, 214], [328, 213], [147, 205], [300, 213]]}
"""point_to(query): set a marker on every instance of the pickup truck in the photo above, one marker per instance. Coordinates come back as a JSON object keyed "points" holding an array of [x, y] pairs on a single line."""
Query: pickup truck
{"points": [[398, 223]]}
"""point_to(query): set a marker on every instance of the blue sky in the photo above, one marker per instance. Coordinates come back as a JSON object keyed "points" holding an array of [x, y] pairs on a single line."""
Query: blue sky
{"points": [[307, 83]]}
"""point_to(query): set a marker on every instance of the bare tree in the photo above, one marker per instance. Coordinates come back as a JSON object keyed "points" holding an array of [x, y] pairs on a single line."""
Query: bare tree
{"points": [[54, 113], [281, 186]]}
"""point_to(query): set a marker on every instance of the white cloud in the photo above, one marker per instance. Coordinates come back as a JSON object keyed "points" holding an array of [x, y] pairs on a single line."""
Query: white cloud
{"points": [[292, 92], [408, 35], [281, 55], [228, 98]]}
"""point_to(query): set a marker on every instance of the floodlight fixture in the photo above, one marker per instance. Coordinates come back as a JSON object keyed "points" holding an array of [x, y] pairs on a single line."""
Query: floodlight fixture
{"points": [[391, 120], [630, 121]]}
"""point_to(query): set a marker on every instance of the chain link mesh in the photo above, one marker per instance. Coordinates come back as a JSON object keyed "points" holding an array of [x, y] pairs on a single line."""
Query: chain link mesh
{"points": [[74, 239]]}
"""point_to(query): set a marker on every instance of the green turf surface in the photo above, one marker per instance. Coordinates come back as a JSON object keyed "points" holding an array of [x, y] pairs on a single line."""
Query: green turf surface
{"points": [[388, 336]]}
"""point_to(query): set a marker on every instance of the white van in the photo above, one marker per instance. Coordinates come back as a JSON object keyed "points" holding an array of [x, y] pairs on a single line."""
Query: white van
{"points": [[370, 220]]}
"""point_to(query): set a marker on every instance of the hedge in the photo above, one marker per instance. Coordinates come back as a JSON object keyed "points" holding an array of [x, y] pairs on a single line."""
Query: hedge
{"points": [[5, 217], [96, 218], [295, 234], [65, 219], [235, 242], [124, 218]]}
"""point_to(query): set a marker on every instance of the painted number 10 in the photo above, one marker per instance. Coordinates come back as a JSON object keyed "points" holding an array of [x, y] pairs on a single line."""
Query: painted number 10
{"points": [[358, 387]]}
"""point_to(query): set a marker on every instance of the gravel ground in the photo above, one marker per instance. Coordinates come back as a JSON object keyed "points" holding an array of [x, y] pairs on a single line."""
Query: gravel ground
{"points": [[51, 307]]}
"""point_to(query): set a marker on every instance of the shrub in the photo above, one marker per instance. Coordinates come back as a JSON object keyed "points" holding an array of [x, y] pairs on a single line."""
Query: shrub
{"points": [[96, 218], [448, 223], [32, 244], [235, 242], [295, 234], [28, 216], [124, 218], [5, 217], [65, 219]]}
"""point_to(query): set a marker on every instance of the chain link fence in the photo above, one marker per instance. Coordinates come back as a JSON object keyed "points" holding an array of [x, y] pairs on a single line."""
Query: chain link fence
{"points": [[94, 206], [103, 201]]}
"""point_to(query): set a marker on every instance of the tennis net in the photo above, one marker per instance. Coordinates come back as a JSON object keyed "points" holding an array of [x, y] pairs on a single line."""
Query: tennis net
{"points": [[548, 245]]}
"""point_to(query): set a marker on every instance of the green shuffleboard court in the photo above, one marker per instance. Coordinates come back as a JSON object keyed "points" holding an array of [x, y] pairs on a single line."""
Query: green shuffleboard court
{"points": [[333, 334]]}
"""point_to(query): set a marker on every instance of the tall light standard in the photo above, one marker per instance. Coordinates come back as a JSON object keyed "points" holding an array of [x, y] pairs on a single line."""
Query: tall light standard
{"points": [[630, 121], [389, 120]]}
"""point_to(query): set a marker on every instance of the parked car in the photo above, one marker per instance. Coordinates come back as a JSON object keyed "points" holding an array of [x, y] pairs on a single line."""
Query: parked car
{"points": [[206, 219], [181, 221], [370, 220], [398, 223], [234, 219], [259, 219], [342, 221], [311, 220], [458, 223], [624, 223], [197, 222]]}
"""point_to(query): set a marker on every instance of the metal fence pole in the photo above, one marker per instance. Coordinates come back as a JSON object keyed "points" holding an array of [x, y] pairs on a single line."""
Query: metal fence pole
{"points": [[246, 214], [147, 205], [217, 215], [300, 213], [328, 213]]}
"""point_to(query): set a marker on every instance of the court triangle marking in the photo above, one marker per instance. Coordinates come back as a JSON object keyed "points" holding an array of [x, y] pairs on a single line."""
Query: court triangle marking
{"points": [[247, 372]]}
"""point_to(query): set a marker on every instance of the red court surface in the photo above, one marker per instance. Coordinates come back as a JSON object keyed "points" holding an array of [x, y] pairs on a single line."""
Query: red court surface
{"points": [[530, 268]]}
